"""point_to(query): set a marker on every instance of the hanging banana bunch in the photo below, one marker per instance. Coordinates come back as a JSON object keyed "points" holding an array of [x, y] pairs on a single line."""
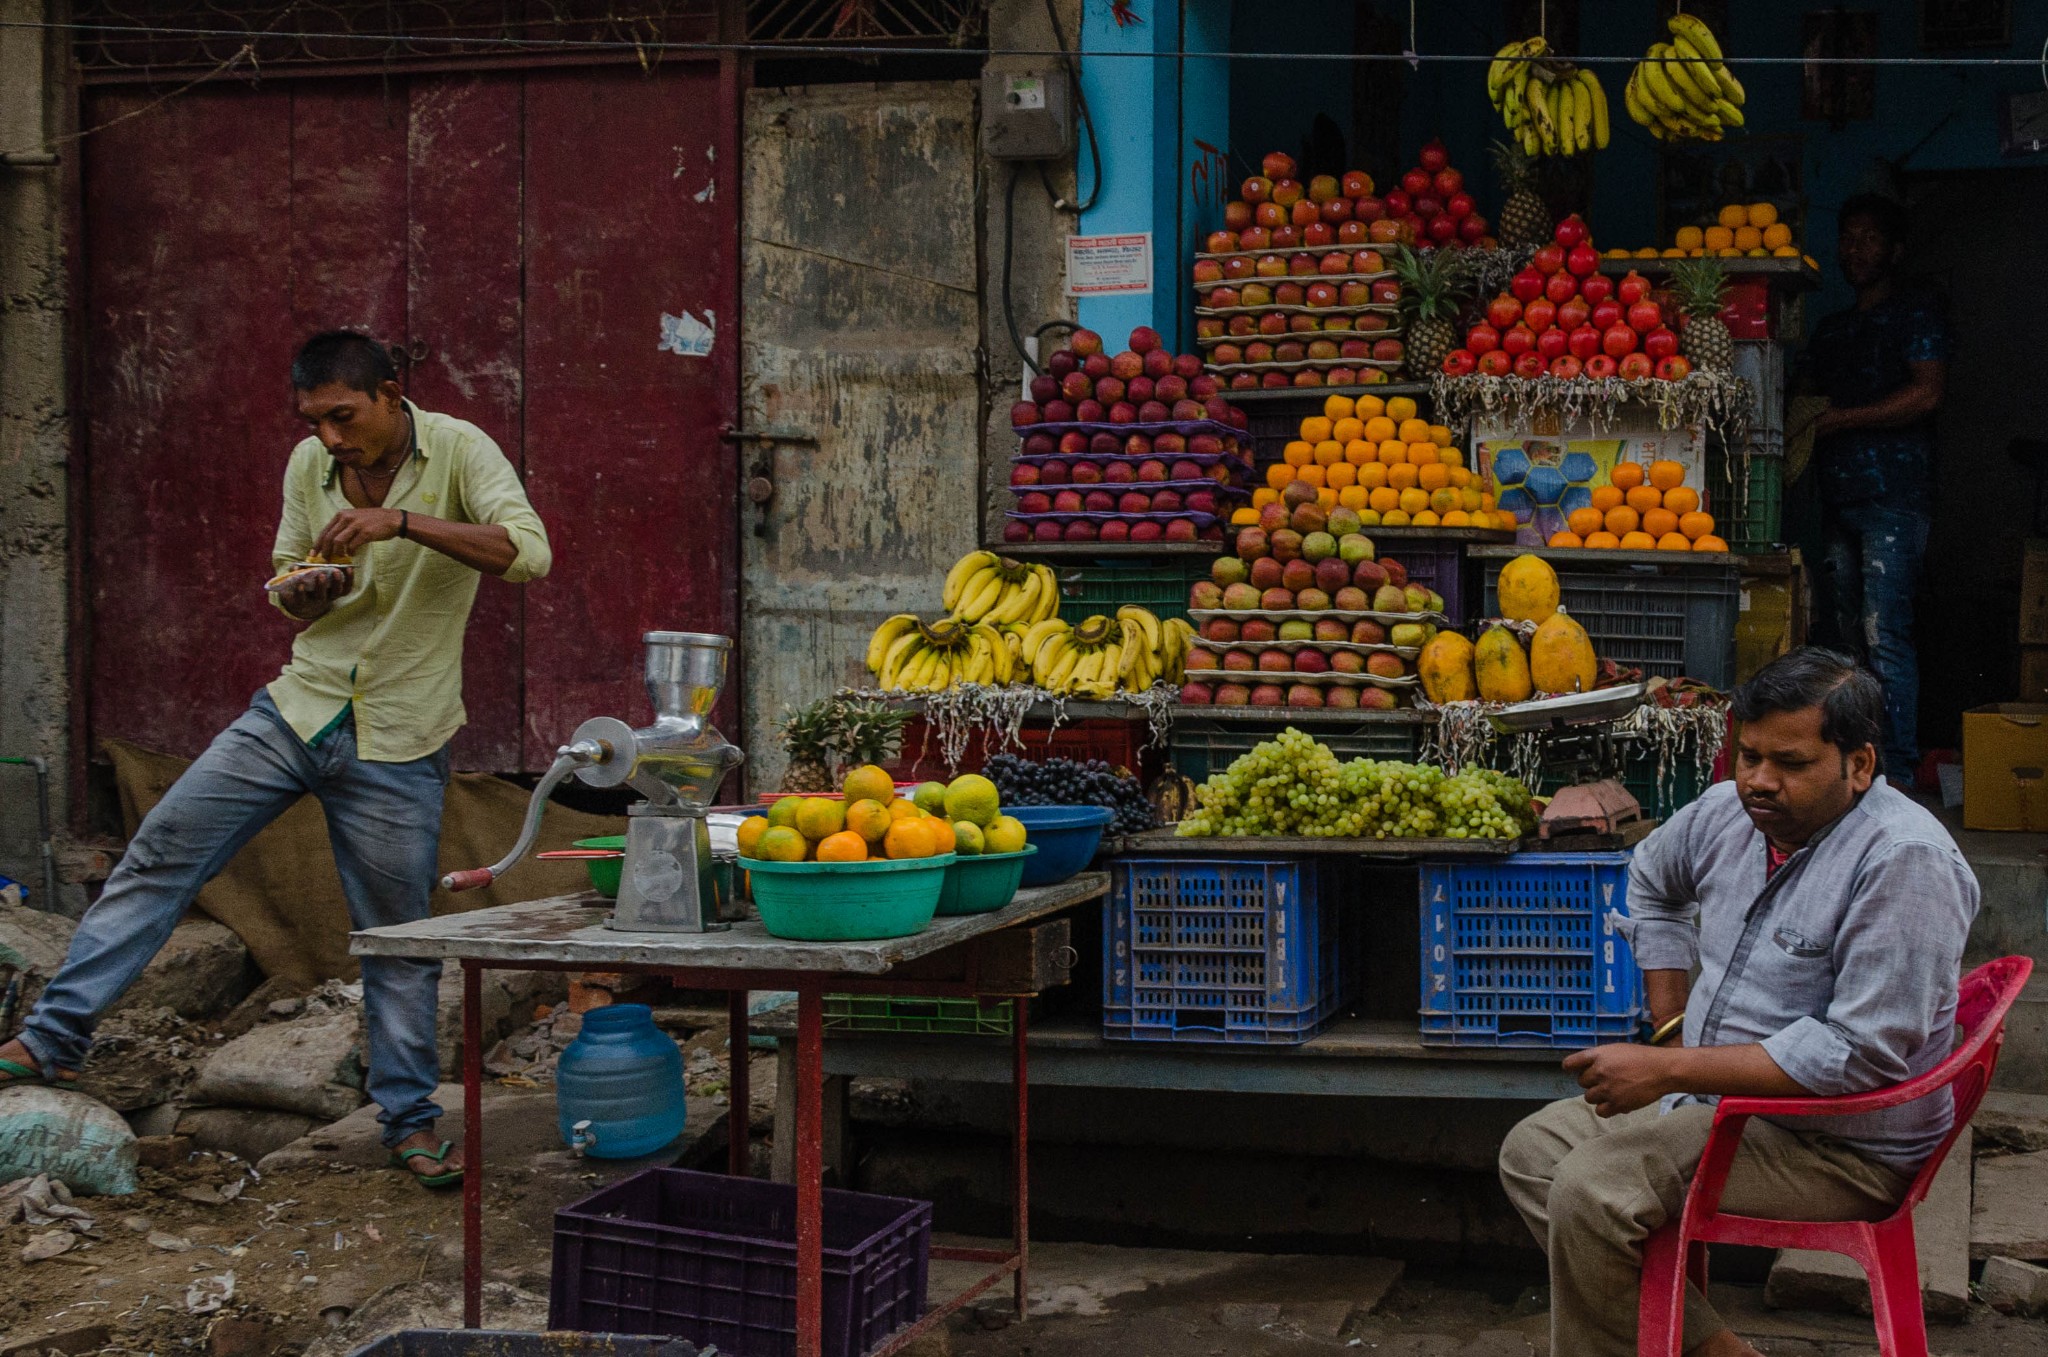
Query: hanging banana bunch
{"points": [[1550, 106], [910, 656], [984, 587], [1681, 90]]}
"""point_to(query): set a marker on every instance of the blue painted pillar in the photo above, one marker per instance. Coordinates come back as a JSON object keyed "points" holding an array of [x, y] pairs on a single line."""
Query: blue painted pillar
{"points": [[1150, 111]]}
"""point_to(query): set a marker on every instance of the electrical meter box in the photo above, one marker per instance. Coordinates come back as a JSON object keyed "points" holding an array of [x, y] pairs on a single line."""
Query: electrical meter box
{"points": [[1026, 110]]}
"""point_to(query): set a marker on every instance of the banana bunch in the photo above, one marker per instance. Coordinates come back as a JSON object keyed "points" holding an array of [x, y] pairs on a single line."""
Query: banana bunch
{"points": [[1129, 652], [984, 587], [910, 656], [1681, 91], [1549, 106]]}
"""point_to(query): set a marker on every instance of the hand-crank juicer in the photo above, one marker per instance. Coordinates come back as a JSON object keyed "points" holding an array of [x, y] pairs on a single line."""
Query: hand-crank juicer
{"points": [[677, 763]]}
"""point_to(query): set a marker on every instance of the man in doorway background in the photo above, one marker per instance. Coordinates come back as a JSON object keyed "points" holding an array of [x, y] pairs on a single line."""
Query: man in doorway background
{"points": [[1881, 364], [1825, 913], [420, 504]]}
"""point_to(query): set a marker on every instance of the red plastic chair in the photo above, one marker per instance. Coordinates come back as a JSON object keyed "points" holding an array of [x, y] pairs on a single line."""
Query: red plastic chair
{"points": [[1884, 1248]]}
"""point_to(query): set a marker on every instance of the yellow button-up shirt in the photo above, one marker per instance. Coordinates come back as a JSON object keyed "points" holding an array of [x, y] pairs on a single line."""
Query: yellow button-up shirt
{"points": [[392, 645]]}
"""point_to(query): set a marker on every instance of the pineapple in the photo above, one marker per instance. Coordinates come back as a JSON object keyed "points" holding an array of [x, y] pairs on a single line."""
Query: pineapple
{"points": [[1702, 288], [837, 733], [1433, 288], [807, 738], [1524, 220]]}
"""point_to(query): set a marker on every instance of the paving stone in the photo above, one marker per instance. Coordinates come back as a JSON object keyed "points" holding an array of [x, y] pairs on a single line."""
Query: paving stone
{"points": [[161, 1152], [2010, 1215], [2012, 1287], [1814, 1280], [312, 1066], [2012, 1123]]}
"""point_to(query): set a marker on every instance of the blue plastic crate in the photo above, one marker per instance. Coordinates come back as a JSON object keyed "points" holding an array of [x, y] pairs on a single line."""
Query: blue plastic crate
{"points": [[1524, 952], [1221, 950]]}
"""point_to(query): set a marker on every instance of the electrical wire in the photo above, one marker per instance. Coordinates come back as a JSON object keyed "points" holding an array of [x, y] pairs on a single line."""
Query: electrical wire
{"points": [[1081, 110], [827, 49], [1009, 241]]}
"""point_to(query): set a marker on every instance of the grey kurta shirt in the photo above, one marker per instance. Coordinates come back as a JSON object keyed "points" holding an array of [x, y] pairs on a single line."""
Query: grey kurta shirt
{"points": [[1843, 964]]}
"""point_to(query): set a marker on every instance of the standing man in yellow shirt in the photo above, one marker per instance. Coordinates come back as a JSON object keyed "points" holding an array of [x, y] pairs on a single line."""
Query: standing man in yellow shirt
{"points": [[418, 504]]}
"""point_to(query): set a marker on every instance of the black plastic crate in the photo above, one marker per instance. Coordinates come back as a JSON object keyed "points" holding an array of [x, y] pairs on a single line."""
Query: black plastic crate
{"points": [[712, 1258], [1440, 565], [1198, 746], [1669, 620]]}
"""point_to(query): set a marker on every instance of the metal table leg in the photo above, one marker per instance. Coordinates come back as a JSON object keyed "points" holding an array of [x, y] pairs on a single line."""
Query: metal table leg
{"points": [[810, 1173], [739, 1112], [472, 1144], [1021, 1148]]}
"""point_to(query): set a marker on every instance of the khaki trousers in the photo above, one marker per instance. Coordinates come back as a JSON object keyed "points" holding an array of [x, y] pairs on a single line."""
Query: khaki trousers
{"points": [[1592, 1189]]}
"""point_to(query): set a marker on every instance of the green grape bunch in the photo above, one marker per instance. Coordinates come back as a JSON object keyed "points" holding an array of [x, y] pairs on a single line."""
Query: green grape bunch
{"points": [[1295, 786]]}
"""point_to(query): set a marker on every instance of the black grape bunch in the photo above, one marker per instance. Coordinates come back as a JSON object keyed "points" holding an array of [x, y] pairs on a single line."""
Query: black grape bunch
{"points": [[1065, 782]]}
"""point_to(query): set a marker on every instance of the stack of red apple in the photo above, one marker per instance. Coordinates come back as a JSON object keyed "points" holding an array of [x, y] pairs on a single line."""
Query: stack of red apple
{"points": [[1135, 447], [1276, 211], [1299, 319], [1563, 318]]}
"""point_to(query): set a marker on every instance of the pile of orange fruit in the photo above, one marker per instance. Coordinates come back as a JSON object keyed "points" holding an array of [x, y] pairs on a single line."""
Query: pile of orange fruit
{"points": [[1642, 510], [1739, 230], [870, 821], [1384, 462]]}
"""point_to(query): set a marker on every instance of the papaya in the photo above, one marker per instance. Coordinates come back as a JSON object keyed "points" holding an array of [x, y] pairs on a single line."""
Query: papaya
{"points": [[1446, 669], [1500, 667], [1528, 589], [1561, 656]]}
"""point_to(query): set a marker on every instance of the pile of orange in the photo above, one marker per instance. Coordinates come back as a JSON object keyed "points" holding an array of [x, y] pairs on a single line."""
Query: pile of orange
{"points": [[1379, 459], [1642, 510], [1738, 231], [869, 822]]}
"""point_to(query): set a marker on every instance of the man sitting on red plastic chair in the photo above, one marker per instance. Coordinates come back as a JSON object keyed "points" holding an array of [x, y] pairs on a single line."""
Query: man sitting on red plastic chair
{"points": [[1825, 912]]}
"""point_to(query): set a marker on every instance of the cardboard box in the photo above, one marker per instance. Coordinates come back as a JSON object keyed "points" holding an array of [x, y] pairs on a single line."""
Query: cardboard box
{"points": [[1771, 611], [2034, 593], [2005, 766], [2033, 674]]}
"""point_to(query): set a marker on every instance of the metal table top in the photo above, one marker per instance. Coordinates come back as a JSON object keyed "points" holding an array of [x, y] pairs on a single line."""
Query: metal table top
{"points": [[568, 930]]}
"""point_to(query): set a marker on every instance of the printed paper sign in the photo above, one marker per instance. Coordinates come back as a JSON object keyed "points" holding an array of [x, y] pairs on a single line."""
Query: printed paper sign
{"points": [[1099, 265]]}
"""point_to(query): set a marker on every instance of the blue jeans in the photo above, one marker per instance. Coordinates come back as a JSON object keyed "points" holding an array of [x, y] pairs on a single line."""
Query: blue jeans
{"points": [[1874, 554], [384, 821]]}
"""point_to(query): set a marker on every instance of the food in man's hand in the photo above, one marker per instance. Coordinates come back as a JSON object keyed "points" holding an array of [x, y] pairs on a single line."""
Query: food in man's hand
{"points": [[313, 565]]}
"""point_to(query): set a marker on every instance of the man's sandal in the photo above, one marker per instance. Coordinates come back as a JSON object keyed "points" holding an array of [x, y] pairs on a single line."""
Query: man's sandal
{"points": [[15, 1074], [402, 1159]]}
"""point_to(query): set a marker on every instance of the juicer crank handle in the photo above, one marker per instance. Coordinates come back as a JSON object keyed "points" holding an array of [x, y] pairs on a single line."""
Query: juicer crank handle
{"points": [[568, 759]]}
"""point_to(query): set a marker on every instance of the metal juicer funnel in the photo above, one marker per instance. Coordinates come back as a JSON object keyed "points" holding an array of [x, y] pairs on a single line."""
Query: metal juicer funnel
{"points": [[685, 672], [680, 759]]}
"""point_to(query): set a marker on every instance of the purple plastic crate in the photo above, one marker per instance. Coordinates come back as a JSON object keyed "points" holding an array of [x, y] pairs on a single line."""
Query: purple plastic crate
{"points": [[712, 1258]]}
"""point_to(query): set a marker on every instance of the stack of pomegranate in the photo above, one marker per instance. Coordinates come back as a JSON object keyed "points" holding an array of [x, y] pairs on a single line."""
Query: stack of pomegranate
{"points": [[1135, 447], [1561, 317]]}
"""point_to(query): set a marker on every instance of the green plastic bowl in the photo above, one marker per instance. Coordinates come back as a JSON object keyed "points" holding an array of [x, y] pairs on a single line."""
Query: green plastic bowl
{"points": [[847, 901], [983, 883], [604, 872]]}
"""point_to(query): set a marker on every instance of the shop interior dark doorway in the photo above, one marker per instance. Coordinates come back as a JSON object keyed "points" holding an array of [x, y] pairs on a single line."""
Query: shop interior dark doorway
{"points": [[1976, 237]]}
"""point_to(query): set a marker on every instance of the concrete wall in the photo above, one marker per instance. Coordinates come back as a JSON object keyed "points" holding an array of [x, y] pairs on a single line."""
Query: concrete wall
{"points": [[35, 435]]}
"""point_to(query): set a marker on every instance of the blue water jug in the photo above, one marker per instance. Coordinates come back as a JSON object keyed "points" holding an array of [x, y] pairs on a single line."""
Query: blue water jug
{"points": [[619, 1087]]}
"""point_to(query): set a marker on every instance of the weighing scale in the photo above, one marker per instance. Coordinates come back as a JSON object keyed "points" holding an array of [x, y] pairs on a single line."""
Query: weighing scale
{"points": [[1580, 748]]}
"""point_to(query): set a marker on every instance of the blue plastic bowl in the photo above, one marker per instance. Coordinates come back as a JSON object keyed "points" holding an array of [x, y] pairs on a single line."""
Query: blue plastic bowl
{"points": [[1066, 836]]}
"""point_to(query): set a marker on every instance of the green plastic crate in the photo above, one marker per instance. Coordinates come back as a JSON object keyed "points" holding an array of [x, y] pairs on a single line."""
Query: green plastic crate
{"points": [[1198, 747], [1639, 775], [1748, 502], [922, 1016], [1100, 589]]}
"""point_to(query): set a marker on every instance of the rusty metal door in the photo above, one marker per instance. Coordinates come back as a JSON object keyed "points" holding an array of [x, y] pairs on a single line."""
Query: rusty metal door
{"points": [[540, 244], [859, 378]]}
